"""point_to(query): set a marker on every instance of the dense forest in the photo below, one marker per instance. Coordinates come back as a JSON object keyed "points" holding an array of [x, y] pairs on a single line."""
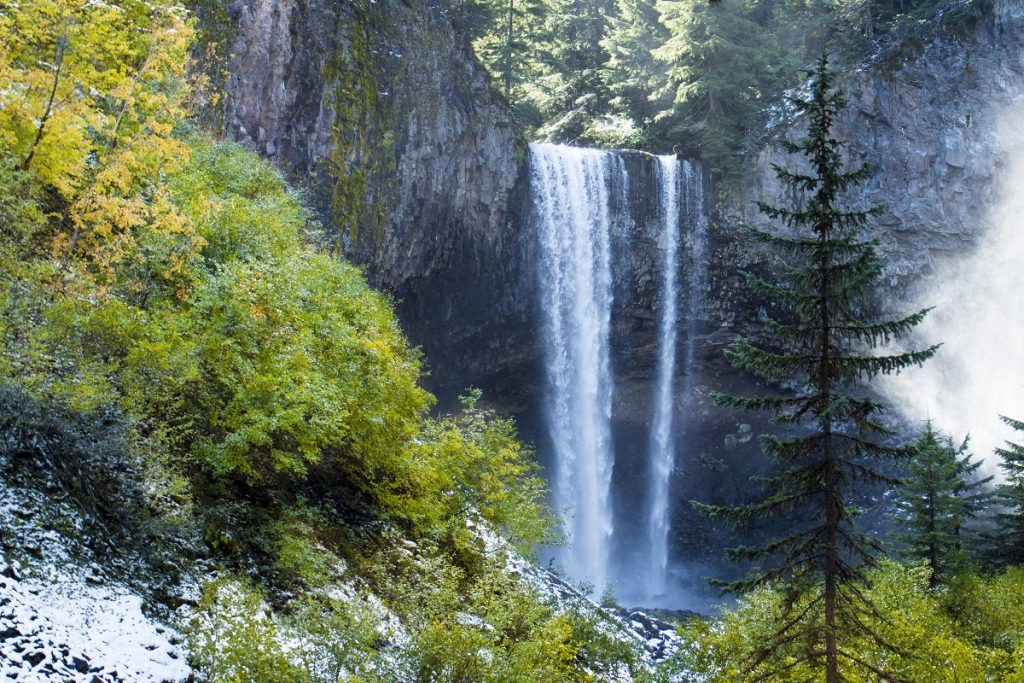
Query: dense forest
{"points": [[706, 78], [205, 403]]}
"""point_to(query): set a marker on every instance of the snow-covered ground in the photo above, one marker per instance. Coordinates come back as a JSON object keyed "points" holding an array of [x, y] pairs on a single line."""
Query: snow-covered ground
{"points": [[69, 628], [62, 615], [70, 612], [655, 640]]}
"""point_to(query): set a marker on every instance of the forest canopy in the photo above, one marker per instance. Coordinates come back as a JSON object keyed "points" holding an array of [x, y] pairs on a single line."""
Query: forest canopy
{"points": [[702, 77]]}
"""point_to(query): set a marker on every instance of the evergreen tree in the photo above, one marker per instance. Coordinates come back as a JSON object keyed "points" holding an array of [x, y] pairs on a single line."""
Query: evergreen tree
{"points": [[1010, 495], [512, 38], [722, 67], [633, 75], [941, 492], [546, 56], [974, 491], [834, 434], [575, 92]]}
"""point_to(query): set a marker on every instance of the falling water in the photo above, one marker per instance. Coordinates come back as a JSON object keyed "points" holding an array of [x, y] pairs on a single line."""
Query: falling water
{"points": [[662, 444], [674, 190], [696, 279], [573, 194]]}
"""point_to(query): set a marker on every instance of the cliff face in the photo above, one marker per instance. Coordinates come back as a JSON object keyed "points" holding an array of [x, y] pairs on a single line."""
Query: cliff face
{"points": [[384, 112], [381, 110], [926, 115]]}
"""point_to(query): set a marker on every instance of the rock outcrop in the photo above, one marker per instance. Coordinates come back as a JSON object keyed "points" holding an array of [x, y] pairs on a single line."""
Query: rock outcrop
{"points": [[927, 114], [383, 112]]}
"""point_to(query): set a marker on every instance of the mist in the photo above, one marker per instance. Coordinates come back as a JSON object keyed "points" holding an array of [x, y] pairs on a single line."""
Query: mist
{"points": [[978, 317]]}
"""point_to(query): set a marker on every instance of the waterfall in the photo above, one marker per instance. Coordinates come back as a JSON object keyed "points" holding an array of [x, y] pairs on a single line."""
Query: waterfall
{"points": [[696, 279], [583, 202], [573, 193], [661, 460], [673, 189]]}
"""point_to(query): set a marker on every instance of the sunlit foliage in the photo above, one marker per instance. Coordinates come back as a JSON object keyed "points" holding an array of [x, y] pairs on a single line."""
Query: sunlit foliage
{"points": [[704, 77], [966, 633], [170, 285]]}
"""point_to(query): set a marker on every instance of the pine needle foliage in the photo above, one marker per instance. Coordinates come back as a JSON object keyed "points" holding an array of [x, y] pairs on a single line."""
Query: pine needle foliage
{"points": [[941, 493], [1010, 495], [835, 439]]}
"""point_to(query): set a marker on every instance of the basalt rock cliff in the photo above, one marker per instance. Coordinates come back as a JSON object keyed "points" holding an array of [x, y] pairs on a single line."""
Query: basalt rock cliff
{"points": [[380, 109]]}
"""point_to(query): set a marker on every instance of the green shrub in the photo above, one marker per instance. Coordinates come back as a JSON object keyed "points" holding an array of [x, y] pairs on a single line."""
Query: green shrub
{"points": [[335, 639], [479, 467], [233, 637], [969, 631]]}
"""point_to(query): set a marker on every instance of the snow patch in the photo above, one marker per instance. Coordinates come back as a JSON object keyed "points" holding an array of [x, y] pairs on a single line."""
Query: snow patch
{"points": [[71, 630]]}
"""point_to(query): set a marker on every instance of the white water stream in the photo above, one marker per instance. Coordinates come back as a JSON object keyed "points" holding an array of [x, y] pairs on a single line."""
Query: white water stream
{"points": [[662, 457], [572, 190], [681, 196], [580, 196]]}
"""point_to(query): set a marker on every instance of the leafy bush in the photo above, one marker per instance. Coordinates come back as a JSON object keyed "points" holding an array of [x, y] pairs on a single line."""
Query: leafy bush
{"points": [[274, 365], [302, 366], [233, 637], [335, 640], [969, 631], [504, 631], [477, 465]]}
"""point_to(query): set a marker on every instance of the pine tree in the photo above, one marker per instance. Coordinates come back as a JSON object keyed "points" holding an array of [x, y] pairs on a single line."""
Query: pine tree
{"points": [[1010, 495], [722, 66], [974, 491], [941, 492], [834, 437], [575, 93], [633, 75], [511, 37]]}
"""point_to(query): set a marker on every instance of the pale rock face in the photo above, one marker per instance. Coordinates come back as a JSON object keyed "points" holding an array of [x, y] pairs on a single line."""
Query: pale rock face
{"points": [[928, 121]]}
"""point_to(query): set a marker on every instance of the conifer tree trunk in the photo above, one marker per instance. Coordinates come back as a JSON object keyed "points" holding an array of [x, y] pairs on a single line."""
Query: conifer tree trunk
{"points": [[831, 474], [825, 375], [508, 51], [831, 568], [933, 551], [822, 346]]}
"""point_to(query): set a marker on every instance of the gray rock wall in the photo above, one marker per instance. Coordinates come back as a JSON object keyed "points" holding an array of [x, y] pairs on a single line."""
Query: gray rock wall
{"points": [[926, 115], [382, 111]]}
